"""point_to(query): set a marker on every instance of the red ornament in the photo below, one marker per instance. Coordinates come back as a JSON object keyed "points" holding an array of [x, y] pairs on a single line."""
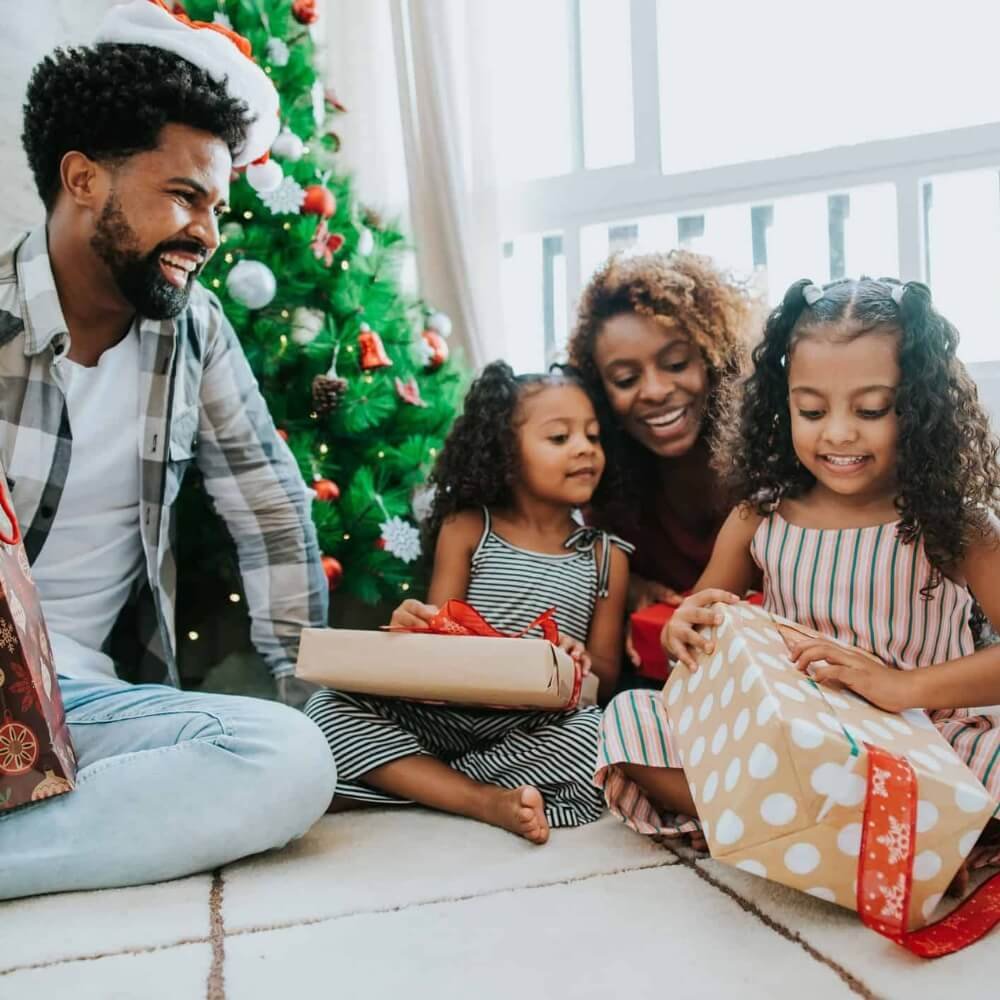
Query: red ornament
{"points": [[409, 391], [380, 544], [325, 244], [304, 11], [333, 570], [282, 433], [435, 349], [326, 489], [372, 349], [319, 200]]}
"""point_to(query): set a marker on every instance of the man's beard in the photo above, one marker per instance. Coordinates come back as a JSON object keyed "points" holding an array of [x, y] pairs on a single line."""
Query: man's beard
{"points": [[138, 276]]}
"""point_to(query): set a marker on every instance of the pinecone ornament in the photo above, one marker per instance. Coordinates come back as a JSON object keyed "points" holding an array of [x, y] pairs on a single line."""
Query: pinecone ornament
{"points": [[327, 391]]}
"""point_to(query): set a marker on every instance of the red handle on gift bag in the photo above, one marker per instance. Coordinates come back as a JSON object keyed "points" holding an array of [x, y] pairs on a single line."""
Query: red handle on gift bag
{"points": [[885, 867], [15, 529]]}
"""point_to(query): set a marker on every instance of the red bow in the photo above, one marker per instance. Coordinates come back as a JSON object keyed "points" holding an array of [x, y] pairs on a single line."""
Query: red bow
{"points": [[325, 244], [459, 618]]}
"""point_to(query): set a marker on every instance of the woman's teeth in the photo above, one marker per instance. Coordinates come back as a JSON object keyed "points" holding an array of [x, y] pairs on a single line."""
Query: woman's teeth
{"points": [[666, 419]]}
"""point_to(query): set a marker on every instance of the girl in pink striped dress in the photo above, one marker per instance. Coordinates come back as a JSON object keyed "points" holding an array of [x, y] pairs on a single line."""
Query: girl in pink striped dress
{"points": [[866, 484]]}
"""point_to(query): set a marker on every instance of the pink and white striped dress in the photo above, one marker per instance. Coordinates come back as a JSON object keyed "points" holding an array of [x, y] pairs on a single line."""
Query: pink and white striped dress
{"points": [[861, 586]]}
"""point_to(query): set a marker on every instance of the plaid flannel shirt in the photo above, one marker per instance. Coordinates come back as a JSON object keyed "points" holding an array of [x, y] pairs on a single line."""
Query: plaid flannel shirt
{"points": [[199, 402]]}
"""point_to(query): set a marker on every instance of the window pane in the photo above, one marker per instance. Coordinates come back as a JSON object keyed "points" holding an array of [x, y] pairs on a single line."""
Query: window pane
{"points": [[962, 256], [533, 285], [818, 236], [606, 76], [752, 81]]}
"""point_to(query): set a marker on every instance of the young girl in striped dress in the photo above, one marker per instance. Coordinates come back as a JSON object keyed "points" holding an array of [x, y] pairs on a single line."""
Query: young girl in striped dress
{"points": [[523, 457], [867, 485]]}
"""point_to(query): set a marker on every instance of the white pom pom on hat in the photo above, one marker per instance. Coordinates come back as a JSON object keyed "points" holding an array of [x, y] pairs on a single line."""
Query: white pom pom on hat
{"points": [[149, 22]]}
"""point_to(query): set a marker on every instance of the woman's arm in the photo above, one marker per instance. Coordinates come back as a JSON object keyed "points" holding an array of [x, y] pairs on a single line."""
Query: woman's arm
{"points": [[604, 641]]}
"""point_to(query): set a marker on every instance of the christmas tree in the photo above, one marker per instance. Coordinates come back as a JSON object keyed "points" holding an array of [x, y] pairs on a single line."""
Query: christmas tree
{"points": [[357, 376]]}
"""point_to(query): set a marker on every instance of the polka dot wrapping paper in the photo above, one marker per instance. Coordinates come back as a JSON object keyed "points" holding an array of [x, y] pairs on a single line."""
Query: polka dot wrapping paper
{"points": [[779, 771]]}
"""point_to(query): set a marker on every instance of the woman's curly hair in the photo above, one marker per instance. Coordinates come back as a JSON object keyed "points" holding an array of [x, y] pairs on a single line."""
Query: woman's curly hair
{"points": [[947, 472], [677, 289], [111, 101], [479, 462]]}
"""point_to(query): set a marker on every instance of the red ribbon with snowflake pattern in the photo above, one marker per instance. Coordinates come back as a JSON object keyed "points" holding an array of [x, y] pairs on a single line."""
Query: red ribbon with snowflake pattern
{"points": [[885, 867]]}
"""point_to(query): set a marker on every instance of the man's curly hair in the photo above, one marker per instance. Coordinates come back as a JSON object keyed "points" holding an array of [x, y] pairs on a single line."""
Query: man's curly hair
{"points": [[947, 472], [111, 101], [479, 462], [677, 289]]}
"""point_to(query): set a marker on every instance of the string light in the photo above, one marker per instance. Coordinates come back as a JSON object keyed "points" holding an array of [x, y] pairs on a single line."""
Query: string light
{"points": [[267, 70], [350, 349], [223, 238], [345, 265], [381, 454], [193, 636], [248, 214], [284, 314], [404, 586], [286, 226], [347, 537], [234, 598], [433, 452], [323, 449], [216, 283], [283, 340], [368, 379], [228, 258], [314, 415]]}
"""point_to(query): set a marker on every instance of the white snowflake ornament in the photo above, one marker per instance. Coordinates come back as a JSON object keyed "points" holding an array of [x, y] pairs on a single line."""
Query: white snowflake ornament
{"points": [[421, 502], [286, 198], [277, 52], [401, 539]]}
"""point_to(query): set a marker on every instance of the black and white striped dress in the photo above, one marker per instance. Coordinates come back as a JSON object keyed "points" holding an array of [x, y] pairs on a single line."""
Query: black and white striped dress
{"points": [[554, 751]]}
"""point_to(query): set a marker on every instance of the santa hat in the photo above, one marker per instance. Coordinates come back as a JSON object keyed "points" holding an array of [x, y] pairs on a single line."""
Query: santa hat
{"points": [[224, 55]]}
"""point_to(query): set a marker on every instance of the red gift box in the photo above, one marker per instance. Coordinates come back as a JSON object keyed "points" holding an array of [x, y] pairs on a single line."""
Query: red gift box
{"points": [[647, 624]]}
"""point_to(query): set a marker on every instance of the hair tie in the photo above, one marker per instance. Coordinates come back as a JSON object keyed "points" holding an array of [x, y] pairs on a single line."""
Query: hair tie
{"points": [[812, 293], [897, 292]]}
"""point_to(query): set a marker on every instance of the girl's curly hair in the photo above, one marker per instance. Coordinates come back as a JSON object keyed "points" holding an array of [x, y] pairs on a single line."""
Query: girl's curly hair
{"points": [[479, 462], [677, 289], [947, 472]]}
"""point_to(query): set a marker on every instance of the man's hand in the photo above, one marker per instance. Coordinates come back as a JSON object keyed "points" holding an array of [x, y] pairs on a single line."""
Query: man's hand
{"points": [[846, 667], [576, 649], [413, 614], [680, 637], [642, 593]]}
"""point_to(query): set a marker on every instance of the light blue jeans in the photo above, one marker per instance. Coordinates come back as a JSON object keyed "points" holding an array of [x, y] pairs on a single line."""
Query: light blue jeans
{"points": [[170, 783]]}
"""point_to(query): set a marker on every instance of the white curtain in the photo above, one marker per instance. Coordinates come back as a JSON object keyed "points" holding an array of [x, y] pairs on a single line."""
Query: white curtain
{"points": [[432, 135]]}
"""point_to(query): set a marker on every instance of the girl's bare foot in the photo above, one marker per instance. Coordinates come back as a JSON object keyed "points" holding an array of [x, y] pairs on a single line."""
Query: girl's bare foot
{"points": [[520, 810], [698, 842]]}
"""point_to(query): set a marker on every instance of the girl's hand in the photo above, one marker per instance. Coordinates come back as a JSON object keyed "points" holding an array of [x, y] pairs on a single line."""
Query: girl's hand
{"points": [[846, 667], [576, 649], [413, 614], [680, 637], [642, 593]]}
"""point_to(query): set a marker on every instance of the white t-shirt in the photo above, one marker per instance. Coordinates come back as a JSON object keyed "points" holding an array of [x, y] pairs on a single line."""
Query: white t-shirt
{"points": [[93, 554]]}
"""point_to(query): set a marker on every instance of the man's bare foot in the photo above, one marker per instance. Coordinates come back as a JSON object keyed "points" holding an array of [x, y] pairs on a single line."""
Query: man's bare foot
{"points": [[520, 810]]}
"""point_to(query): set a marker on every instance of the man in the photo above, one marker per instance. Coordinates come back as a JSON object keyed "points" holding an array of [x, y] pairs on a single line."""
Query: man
{"points": [[116, 370]]}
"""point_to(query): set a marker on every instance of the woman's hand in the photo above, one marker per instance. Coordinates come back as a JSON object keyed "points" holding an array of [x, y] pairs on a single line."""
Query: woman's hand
{"points": [[847, 667], [642, 593], [576, 649], [413, 614], [680, 637]]}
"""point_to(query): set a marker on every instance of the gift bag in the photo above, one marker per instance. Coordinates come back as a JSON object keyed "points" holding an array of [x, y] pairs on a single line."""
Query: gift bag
{"points": [[36, 756]]}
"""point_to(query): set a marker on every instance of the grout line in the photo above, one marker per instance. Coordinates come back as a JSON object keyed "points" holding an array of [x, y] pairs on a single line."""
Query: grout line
{"points": [[216, 985], [97, 956], [853, 983]]}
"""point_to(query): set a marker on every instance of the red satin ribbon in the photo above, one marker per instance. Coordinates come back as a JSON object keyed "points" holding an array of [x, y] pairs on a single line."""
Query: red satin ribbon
{"points": [[885, 868], [459, 618]]}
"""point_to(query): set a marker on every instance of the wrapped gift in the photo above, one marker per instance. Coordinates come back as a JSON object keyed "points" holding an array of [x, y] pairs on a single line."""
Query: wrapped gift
{"points": [[647, 624], [450, 662], [36, 756], [818, 789]]}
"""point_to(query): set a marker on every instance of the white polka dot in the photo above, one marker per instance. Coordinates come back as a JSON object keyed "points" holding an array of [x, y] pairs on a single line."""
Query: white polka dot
{"points": [[943, 753], [927, 816], [901, 727], [877, 730], [806, 735], [772, 661], [737, 646], [763, 762], [733, 774], [719, 739], [849, 839], [802, 858], [778, 809], [809, 687], [834, 699], [694, 681], [924, 760], [967, 842], [970, 799], [715, 666], [830, 722], [834, 781], [789, 692], [711, 787], [697, 751], [918, 719], [729, 829], [676, 690], [750, 677], [741, 723], [727, 692], [931, 904], [821, 892], [706, 707], [768, 707], [687, 716], [753, 867], [926, 865]]}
